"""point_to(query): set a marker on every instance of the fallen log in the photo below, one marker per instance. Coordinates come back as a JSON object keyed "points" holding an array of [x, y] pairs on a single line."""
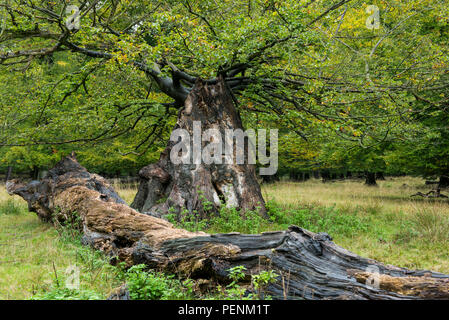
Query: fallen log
{"points": [[431, 194], [309, 265]]}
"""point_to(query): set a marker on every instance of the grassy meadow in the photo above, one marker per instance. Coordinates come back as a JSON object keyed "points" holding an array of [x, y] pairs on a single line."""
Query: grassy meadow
{"points": [[383, 223], [34, 256]]}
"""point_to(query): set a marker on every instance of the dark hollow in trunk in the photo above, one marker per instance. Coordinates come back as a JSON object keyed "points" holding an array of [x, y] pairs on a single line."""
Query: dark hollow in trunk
{"points": [[166, 186], [370, 179], [309, 265]]}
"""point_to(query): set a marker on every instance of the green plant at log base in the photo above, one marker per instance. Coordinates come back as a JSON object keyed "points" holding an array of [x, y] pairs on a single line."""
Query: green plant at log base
{"points": [[232, 219], [151, 285], [262, 280], [207, 205], [70, 229], [186, 220]]}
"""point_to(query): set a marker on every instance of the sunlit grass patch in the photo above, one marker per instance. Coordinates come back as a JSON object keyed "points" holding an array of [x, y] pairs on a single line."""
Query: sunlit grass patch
{"points": [[382, 223], [34, 258]]}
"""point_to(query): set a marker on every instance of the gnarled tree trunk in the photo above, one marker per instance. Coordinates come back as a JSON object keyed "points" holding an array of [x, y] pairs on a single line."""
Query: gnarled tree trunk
{"points": [[166, 185], [309, 265]]}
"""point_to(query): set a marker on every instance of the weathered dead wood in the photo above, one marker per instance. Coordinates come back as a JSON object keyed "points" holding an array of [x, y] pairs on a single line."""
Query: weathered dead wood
{"points": [[310, 265]]}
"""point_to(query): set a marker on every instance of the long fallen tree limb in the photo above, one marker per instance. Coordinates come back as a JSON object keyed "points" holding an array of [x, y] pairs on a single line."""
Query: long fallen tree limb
{"points": [[309, 265], [431, 194]]}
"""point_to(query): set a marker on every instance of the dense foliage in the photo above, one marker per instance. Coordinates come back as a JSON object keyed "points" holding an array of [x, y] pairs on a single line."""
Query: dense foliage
{"points": [[344, 96]]}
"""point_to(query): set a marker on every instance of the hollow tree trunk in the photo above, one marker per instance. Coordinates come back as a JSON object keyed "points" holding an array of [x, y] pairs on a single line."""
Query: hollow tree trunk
{"points": [[444, 182], [370, 179], [325, 176], [179, 187], [309, 265]]}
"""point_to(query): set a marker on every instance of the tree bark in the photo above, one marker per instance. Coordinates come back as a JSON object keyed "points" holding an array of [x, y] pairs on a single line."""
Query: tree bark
{"points": [[370, 179], [186, 187], [309, 265]]}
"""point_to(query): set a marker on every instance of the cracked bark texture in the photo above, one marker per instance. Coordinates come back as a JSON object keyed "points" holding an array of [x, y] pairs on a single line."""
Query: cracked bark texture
{"points": [[309, 265], [182, 187]]}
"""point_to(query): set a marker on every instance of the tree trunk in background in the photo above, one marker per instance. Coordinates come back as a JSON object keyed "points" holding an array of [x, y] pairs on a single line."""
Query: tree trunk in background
{"points": [[380, 176], [166, 186], [294, 176], [309, 265], [8, 173], [444, 182], [370, 179]]}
